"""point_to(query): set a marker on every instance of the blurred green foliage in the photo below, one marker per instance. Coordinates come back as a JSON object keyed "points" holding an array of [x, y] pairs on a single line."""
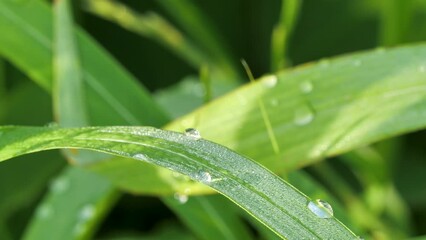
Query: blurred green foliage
{"points": [[219, 34]]}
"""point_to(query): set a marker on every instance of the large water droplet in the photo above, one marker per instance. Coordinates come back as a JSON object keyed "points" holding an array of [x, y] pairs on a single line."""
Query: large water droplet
{"points": [[60, 185], [192, 132], [306, 87], [270, 81], [303, 116], [181, 198], [321, 208], [204, 177]]}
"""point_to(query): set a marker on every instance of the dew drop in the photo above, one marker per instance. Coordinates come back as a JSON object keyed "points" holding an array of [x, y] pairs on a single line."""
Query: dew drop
{"points": [[321, 208], [192, 132], [140, 156], [60, 185], [181, 198], [87, 212], [270, 81], [204, 177], [306, 87], [303, 116], [44, 212]]}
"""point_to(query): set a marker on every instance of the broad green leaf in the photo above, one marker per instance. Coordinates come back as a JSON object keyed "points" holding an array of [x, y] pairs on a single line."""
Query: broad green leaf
{"points": [[272, 201], [320, 110]]}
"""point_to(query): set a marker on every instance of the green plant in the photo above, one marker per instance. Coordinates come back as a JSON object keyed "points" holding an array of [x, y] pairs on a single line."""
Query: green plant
{"points": [[351, 110]]}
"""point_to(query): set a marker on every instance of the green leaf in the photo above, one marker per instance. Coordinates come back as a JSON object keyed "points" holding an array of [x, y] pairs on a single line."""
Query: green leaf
{"points": [[271, 200], [320, 110]]}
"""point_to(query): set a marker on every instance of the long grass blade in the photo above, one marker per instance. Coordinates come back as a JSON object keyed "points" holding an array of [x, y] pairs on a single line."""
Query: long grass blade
{"points": [[267, 197]]}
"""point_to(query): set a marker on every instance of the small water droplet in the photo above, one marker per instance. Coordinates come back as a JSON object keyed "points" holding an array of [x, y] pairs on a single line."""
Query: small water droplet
{"points": [[357, 63], [181, 198], [192, 132], [204, 177], [274, 102], [87, 212], [321, 208], [44, 212], [422, 68], [270, 81], [60, 185], [306, 87], [303, 116], [140, 156]]}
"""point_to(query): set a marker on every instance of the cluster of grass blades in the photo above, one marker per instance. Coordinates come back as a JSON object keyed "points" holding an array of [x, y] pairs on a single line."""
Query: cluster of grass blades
{"points": [[246, 143]]}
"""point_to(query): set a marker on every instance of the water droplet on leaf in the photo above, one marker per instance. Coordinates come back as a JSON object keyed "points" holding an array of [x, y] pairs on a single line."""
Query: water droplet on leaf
{"points": [[274, 102], [303, 116], [44, 212], [321, 208], [87, 212], [60, 185], [306, 87], [192, 132], [140, 156], [181, 198], [204, 177], [270, 81]]}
